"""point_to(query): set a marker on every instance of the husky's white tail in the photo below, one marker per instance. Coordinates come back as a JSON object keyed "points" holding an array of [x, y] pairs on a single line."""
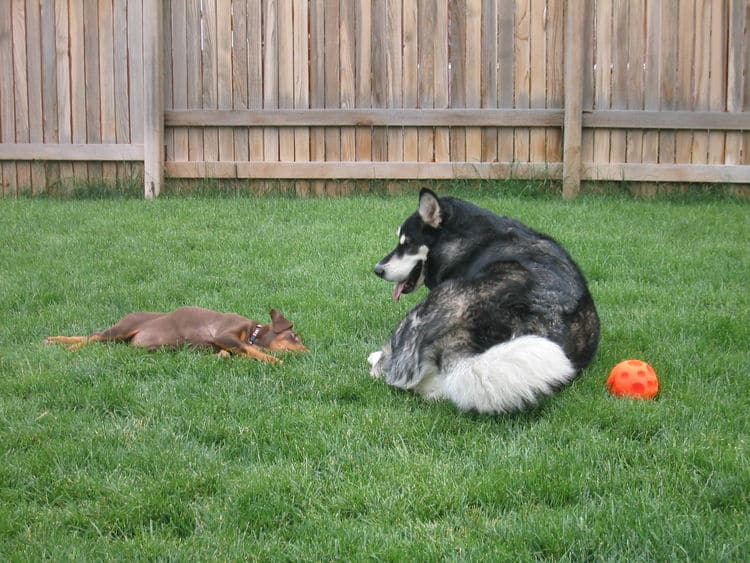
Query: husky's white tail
{"points": [[508, 377]]}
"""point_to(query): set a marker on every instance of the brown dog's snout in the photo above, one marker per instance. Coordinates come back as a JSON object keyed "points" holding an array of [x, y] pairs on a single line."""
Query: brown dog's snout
{"points": [[287, 341]]}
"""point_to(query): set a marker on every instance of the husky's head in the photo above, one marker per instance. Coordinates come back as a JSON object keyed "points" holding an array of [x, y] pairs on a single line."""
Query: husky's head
{"points": [[406, 263]]}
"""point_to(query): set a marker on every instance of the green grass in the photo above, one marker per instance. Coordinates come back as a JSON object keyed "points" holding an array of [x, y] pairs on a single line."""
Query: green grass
{"points": [[115, 453]]}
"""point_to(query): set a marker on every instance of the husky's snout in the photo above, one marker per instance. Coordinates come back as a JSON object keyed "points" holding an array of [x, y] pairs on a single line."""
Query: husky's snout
{"points": [[379, 269]]}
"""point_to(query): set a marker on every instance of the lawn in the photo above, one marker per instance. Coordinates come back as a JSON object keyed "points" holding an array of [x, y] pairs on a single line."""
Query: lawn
{"points": [[111, 452]]}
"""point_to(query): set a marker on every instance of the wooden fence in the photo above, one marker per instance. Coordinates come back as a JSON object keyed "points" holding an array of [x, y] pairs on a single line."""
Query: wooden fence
{"points": [[318, 90]]}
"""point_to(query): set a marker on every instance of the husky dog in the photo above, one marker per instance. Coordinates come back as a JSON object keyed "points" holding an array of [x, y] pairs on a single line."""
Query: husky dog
{"points": [[509, 318]]}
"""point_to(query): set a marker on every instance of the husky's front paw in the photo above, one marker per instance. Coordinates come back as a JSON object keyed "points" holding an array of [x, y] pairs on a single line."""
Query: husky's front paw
{"points": [[375, 361]]}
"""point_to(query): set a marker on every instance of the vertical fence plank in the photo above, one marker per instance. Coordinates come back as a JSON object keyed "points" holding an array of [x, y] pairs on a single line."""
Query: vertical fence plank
{"points": [[210, 93], [285, 72], [239, 76], [736, 58], [153, 99], [301, 87], [62, 75], [347, 85], [193, 25], [317, 84], [717, 85], [92, 88], [686, 38], [668, 77], [701, 70], [425, 78], [555, 55], [394, 76], [347, 95], [378, 66], [180, 84], [587, 135], [489, 77], [121, 84], [457, 76], [442, 81], [746, 90], [135, 64], [634, 77], [107, 81], [34, 69], [537, 75], [603, 76], [270, 77], [332, 81], [20, 82], [746, 85], [224, 97], [574, 57], [363, 95], [522, 76], [49, 88], [254, 75], [411, 27], [619, 39], [7, 102], [166, 43], [506, 75], [652, 78], [473, 75]]}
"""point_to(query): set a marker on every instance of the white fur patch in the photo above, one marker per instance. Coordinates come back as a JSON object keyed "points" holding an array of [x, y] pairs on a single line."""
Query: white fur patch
{"points": [[374, 359], [431, 385], [398, 268], [509, 376]]}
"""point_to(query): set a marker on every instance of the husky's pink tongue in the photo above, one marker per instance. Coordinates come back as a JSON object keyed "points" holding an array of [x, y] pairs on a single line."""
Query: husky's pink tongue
{"points": [[398, 290]]}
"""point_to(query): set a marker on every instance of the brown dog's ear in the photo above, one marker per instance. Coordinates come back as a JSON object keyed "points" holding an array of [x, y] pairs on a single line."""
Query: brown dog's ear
{"points": [[279, 323]]}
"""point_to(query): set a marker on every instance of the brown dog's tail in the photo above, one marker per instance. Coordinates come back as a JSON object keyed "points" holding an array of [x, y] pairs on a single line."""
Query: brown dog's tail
{"points": [[72, 342]]}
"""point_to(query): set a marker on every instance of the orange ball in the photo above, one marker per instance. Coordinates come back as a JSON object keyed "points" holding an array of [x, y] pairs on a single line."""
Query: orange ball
{"points": [[633, 378]]}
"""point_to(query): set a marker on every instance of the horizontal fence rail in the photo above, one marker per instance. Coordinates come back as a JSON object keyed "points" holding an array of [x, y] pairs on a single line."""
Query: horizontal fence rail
{"points": [[602, 119], [312, 91]]}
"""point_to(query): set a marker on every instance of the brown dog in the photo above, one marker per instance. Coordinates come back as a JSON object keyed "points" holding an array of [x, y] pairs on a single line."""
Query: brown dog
{"points": [[226, 333]]}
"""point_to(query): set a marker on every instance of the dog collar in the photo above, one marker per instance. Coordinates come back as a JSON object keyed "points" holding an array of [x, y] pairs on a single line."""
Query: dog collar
{"points": [[255, 334]]}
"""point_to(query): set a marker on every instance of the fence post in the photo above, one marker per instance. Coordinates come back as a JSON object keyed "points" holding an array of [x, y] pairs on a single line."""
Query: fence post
{"points": [[153, 98], [573, 71]]}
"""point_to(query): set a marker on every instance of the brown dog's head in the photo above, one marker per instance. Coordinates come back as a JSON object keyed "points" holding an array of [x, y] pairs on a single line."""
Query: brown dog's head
{"points": [[281, 337]]}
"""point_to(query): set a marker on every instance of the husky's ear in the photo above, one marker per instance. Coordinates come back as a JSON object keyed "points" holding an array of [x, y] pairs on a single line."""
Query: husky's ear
{"points": [[429, 208]]}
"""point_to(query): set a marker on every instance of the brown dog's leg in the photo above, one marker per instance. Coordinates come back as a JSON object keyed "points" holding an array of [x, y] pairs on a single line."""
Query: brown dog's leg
{"points": [[124, 329], [230, 343], [74, 342], [128, 326], [255, 352]]}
